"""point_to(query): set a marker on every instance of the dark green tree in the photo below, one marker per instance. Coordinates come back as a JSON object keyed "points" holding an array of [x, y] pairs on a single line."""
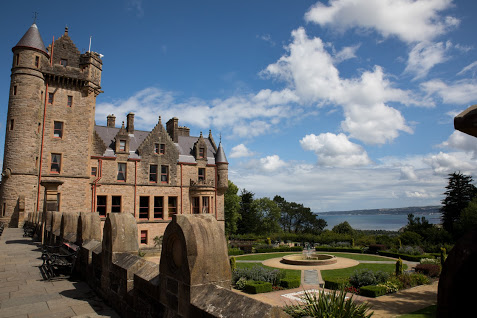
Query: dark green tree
{"points": [[295, 217], [249, 216], [269, 214], [468, 218], [343, 228], [231, 208], [460, 191]]}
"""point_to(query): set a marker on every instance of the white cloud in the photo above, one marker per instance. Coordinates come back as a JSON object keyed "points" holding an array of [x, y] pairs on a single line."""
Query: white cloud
{"points": [[308, 69], [445, 163], [410, 21], [460, 141], [335, 150], [271, 163], [240, 151], [459, 92], [418, 194], [346, 53], [408, 173], [471, 67], [424, 56]]}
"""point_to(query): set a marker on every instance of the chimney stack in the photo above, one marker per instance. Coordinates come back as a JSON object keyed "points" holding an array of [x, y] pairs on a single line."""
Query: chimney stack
{"points": [[111, 121], [130, 123]]}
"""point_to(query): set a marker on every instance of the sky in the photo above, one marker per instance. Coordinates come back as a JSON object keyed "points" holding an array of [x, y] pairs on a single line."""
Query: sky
{"points": [[338, 105]]}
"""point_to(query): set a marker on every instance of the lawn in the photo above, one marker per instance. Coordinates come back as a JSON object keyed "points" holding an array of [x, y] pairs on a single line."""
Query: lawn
{"points": [[265, 256], [347, 272], [262, 257], [289, 273], [428, 312]]}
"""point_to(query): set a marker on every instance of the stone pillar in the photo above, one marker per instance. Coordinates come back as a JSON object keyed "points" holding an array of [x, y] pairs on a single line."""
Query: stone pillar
{"points": [[51, 201], [55, 228], [69, 227], [194, 254], [89, 227], [21, 210]]}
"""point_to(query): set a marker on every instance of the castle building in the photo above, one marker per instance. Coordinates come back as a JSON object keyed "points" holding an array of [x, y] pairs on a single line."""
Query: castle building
{"points": [[51, 135]]}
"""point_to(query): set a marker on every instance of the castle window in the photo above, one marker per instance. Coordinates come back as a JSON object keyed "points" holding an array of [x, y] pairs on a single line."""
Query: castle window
{"points": [[11, 124], [201, 174], [159, 149], [15, 90], [4, 208], [164, 174], [143, 237], [69, 102], [121, 171], [116, 204], [55, 166], [64, 62], [144, 207], [172, 206], [201, 152], [37, 61], [195, 205], [58, 129], [205, 205], [51, 97], [94, 171], [17, 59], [158, 207], [153, 173], [122, 145], [101, 205]]}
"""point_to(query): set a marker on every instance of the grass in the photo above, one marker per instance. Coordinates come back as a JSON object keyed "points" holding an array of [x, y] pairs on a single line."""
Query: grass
{"points": [[347, 272], [265, 256], [262, 257], [428, 312], [360, 257]]}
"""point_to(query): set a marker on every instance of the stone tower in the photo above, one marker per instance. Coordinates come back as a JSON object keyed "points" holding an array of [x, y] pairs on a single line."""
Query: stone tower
{"points": [[50, 124]]}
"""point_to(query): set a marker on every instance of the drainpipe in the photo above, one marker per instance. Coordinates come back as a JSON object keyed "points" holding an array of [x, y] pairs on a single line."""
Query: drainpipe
{"points": [[43, 133], [135, 186], [181, 186]]}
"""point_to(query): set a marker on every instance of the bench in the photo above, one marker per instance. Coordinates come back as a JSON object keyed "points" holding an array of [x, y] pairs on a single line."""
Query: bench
{"points": [[28, 230], [59, 259], [2, 226]]}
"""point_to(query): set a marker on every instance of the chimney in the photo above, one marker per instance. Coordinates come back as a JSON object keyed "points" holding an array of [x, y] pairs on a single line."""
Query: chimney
{"points": [[111, 121], [172, 127], [130, 124]]}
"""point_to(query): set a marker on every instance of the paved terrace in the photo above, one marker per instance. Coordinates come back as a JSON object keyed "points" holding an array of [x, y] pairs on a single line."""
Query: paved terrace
{"points": [[24, 292]]}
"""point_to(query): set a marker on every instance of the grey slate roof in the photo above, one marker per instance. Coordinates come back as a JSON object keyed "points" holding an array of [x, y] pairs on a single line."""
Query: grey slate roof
{"points": [[220, 158], [32, 39], [185, 144]]}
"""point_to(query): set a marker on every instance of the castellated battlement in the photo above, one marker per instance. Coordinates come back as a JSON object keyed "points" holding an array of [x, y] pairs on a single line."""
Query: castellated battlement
{"points": [[193, 278]]}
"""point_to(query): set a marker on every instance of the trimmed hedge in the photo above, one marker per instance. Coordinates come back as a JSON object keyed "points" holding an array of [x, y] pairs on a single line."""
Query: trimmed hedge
{"points": [[339, 249], [257, 287], [290, 282], [412, 258], [430, 270], [372, 291], [235, 251], [336, 284], [279, 249]]}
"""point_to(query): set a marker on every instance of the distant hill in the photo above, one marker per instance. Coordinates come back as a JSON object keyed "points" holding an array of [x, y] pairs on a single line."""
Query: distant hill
{"points": [[416, 210]]}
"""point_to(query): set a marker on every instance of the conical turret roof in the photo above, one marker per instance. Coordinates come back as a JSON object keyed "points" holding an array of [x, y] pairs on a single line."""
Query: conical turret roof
{"points": [[220, 155], [32, 39]]}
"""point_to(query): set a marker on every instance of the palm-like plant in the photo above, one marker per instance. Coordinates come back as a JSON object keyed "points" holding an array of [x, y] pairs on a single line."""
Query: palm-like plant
{"points": [[333, 304]]}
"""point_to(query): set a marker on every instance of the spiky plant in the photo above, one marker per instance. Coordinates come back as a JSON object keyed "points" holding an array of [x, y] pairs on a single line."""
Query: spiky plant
{"points": [[328, 305]]}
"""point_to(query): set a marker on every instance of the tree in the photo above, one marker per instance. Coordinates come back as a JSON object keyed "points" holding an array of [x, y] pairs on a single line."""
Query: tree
{"points": [[269, 214], [231, 208], [468, 218], [249, 218], [343, 228], [295, 217], [460, 191]]}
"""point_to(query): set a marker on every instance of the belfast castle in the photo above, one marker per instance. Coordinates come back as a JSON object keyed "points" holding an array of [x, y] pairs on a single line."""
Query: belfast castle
{"points": [[51, 136]]}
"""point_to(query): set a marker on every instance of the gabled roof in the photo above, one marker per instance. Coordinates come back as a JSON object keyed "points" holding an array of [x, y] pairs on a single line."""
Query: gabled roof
{"points": [[185, 144], [32, 39]]}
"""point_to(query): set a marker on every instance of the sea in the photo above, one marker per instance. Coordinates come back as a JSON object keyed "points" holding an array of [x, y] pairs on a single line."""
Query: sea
{"points": [[376, 221]]}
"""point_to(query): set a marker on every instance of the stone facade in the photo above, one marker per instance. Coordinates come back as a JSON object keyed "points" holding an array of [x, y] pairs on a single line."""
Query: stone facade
{"points": [[51, 135]]}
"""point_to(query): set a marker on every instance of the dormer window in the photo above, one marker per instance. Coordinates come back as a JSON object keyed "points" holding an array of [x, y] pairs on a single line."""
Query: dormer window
{"points": [[64, 62], [201, 152], [122, 145]]}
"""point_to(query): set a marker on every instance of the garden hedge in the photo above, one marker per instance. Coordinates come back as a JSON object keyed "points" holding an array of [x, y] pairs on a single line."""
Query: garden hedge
{"points": [[336, 284], [290, 282], [279, 249], [339, 249], [235, 251], [256, 287], [412, 258], [372, 291]]}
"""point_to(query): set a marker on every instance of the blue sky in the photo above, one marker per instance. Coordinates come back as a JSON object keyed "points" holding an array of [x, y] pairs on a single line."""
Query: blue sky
{"points": [[338, 105]]}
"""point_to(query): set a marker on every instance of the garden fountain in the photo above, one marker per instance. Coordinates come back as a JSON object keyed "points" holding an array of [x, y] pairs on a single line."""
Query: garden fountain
{"points": [[309, 258]]}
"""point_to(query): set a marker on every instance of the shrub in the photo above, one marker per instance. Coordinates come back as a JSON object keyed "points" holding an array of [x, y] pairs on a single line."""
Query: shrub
{"points": [[399, 267], [326, 304], [240, 283], [412, 258], [290, 282], [375, 248], [419, 279], [411, 250], [367, 277], [258, 273], [434, 261], [233, 264], [338, 249], [235, 251], [373, 291], [391, 286], [431, 270], [257, 287], [278, 249], [336, 283]]}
